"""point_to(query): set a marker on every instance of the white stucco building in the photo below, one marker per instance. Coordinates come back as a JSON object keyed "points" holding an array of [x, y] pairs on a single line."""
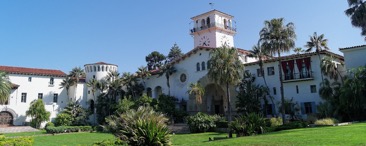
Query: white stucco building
{"points": [[29, 84], [354, 56], [301, 74]]}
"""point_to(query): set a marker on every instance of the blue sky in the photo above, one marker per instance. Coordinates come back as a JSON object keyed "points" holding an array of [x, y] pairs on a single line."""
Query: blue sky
{"points": [[64, 34]]}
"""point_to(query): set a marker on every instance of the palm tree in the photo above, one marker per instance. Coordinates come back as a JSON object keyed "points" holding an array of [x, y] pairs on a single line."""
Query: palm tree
{"points": [[330, 68], [143, 73], [357, 13], [277, 38], [259, 53], [112, 75], [67, 83], [198, 91], [167, 70], [5, 88], [319, 43], [130, 81], [298, 50], [226, 69], [76, 73], [93, 84]]}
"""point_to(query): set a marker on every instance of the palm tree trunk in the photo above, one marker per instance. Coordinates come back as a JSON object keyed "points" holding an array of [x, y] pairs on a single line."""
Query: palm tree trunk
{"points": [[94, 110], [229, 107], [321, 72], [281, 88]]}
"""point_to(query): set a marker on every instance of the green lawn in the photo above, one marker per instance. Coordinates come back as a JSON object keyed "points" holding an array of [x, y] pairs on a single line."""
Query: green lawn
{"points": [[341, 135], [25, 133]]}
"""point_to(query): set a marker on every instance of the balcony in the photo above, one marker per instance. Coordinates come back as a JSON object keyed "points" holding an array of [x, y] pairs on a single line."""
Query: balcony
{"points": [[211, 25], [294, 77]]}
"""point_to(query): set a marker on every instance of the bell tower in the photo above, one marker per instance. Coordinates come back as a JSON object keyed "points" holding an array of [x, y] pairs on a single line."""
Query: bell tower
{"points": [[213, 29]]}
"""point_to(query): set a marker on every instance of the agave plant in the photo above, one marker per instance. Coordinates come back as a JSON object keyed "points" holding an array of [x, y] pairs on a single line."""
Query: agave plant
{"points": [[140, 127]]}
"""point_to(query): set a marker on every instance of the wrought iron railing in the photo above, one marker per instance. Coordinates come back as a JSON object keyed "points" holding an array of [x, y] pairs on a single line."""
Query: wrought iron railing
{"points": [[220, 25], [298, 76]]}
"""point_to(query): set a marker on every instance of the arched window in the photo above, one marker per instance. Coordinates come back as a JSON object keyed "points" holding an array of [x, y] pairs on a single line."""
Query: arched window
{"points": [[106, 68], [149, 92], [158, 91], [203, 24], [208, 21], [229, 24], [98, 68], [203, 65], [95, 68], [208, 64], [225, 23], [102, 68], [198, 66]]}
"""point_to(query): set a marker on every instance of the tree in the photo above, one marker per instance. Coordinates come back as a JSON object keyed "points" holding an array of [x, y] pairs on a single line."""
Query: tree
{"points": [[154, 60], [77, 113], [277, 38], [175, 52], [67, 83], [250, 95], [225, 69], [319, 43], [167, 70], [143, 73], [112, 75], [260, 53], [129, 80], [93, 84], [38, 113], [357, 13], [329, 67], [198, 92], [5, 88], [298, 50], [76, 73]]}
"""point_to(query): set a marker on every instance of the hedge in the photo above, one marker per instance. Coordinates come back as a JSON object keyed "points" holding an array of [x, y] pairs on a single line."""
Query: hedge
{"points": [[67, 129], [21, 141]]}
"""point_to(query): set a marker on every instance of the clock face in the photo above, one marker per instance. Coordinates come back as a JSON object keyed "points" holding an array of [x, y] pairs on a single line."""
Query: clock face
{"points": [[204, 41], [225, 41]]}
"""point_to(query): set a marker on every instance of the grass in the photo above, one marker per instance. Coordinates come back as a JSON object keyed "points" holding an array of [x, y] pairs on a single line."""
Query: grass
{"points": [[341, 135], [71, 139]]}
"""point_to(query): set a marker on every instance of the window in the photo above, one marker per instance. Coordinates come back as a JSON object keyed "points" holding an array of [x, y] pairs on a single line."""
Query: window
{"points": [[198, 66], [297, 89], [313, 88], [102, 68], [55, 98], [308, 107], [259, 72], [29, 79], [95, 68], [270, 71], [208, 64], [51, 81], [246, 59], [24, 98], [93, 76], [274, 91], [269, 109], [88, 91], [203, 65], [40, 95], [98, 68]]}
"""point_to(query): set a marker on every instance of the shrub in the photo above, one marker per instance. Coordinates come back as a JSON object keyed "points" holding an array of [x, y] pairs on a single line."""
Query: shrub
{"points": [[21, 141], [66, 129], [110, 142], [143, 126], [63, 119], [221, 122], [275, 121], [180, 115], [326, 122], [311, 118], [250, 124], [201, 122], [49, 124], [291, 125]]}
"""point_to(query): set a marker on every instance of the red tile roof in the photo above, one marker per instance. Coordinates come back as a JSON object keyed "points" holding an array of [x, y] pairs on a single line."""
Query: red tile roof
{"points": [[32, 71], [352, 47], [289, 57]]}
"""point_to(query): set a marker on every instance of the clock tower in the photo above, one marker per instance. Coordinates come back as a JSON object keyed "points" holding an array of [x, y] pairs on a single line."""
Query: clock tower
{"points": [[213, 29]]}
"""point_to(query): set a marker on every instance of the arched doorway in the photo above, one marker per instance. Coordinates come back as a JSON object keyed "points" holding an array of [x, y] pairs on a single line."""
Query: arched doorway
{"points": [[6, 118], [215, 103], [149, 92], [158, 91]]}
